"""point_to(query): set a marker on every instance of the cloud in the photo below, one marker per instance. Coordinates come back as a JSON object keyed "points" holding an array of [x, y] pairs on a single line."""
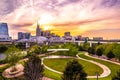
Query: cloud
{"points": [[106, 33], [110, 3], [8, 6], [83, 22], [21, 25], [75, 14]]}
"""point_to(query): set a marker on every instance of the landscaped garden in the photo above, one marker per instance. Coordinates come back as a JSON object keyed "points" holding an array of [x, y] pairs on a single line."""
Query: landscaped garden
{"points": [[59, 65], [113, 67]]}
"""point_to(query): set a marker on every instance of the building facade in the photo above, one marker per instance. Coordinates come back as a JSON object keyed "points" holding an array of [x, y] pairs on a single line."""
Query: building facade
{"points": [[4, 35], [22, 35], [38, 30]]}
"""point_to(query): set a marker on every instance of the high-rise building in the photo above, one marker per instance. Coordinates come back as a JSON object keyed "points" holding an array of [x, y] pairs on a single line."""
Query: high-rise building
{"points": [[67, 34], [98, 38], [22, 35], [4, 36], [38, 30], [46, 33]]}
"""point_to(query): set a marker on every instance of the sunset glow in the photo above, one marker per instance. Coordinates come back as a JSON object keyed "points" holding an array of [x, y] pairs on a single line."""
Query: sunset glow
{"points": [[80, 17], [46, 19]]}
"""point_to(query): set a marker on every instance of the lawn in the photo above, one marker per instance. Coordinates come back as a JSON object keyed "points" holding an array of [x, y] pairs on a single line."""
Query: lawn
{"points": [[59, 65], [52, 75], [113, 67]]}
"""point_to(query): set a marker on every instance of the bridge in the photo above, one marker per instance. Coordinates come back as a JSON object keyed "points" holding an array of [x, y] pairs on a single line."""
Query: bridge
{"points": [[57, 49], [102, 41]]}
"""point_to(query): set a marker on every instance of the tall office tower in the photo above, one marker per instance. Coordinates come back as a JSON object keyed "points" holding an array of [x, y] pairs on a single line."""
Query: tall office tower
{"points": [[22, 35], [4, 36], [46, 33], [38, 30], [67, 34]]}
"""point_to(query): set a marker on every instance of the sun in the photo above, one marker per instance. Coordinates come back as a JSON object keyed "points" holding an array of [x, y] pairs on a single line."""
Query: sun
{"points": [[45, 19], [46, 28]]}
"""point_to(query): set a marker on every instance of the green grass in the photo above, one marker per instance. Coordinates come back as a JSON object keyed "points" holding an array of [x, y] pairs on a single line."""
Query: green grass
{"points": [[59, 65], [52, 75], [113, 67]]}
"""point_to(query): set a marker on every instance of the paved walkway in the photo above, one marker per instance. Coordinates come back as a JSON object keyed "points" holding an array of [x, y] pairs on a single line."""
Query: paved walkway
{"points": [[8, 74], [106, 70], [52, 57], [86, 53]]}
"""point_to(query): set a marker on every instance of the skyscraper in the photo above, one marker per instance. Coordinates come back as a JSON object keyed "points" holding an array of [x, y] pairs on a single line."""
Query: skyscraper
{"points": [[4, 36], [22, 35], [38, 30]]}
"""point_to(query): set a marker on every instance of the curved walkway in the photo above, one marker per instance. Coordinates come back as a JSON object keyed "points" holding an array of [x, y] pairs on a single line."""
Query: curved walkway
{"points": [[86, 53], [106, 70], [8, 74], [49, 57]]}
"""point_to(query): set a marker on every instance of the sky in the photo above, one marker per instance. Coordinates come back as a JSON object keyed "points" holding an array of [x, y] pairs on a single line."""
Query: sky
{"points": [[92, 18]]}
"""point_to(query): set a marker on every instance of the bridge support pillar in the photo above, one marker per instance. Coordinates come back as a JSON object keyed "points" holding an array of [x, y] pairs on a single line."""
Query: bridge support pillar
{"points": [[90, 44], [79, 43]]}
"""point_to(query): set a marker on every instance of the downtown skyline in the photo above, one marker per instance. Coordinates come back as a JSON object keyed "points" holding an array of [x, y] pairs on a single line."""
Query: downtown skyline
{"points": [[90, 18]]}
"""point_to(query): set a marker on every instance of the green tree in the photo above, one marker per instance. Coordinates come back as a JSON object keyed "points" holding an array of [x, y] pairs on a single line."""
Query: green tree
{"points": [[3, 48], [74, 71], [13, 56], [110, 55], [116, 52], [91, 50], [73, 49], [36, 49], [99, 50], [109, 47], [117, 76], [44, 48], [33, 69], [86, 46]]}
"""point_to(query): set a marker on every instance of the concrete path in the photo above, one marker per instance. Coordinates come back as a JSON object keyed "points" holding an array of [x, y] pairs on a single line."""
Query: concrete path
{"points": [[8, 74], [106, 70], [86, 53], [53, 57]]}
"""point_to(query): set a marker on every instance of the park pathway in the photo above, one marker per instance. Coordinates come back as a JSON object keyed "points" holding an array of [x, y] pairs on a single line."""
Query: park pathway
{"points": [[106, 70], [86, 53]]}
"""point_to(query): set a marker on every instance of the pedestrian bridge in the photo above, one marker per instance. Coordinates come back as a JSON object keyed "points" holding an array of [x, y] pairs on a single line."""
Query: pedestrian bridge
{"points": [[57, 49]]}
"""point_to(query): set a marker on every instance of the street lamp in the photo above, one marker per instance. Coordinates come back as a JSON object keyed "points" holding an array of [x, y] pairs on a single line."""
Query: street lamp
{"points": [[97, 74]]}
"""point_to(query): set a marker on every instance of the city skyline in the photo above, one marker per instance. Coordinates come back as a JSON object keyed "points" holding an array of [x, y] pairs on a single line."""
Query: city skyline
{"points": [[81, 17]]}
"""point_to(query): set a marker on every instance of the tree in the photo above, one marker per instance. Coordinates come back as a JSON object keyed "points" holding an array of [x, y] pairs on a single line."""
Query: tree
{"points": [[44, 48], [13, 56], [73, 49], [117, 76], [74, 71], [91, 50], [99, 50], [110, 55], [109, 47], [3, 48], [33, 69], [34, 50], [116, 52], [86, 46]]}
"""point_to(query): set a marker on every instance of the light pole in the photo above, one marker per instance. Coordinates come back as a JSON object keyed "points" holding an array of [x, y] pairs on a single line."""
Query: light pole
{"points": [[97, 74]]}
